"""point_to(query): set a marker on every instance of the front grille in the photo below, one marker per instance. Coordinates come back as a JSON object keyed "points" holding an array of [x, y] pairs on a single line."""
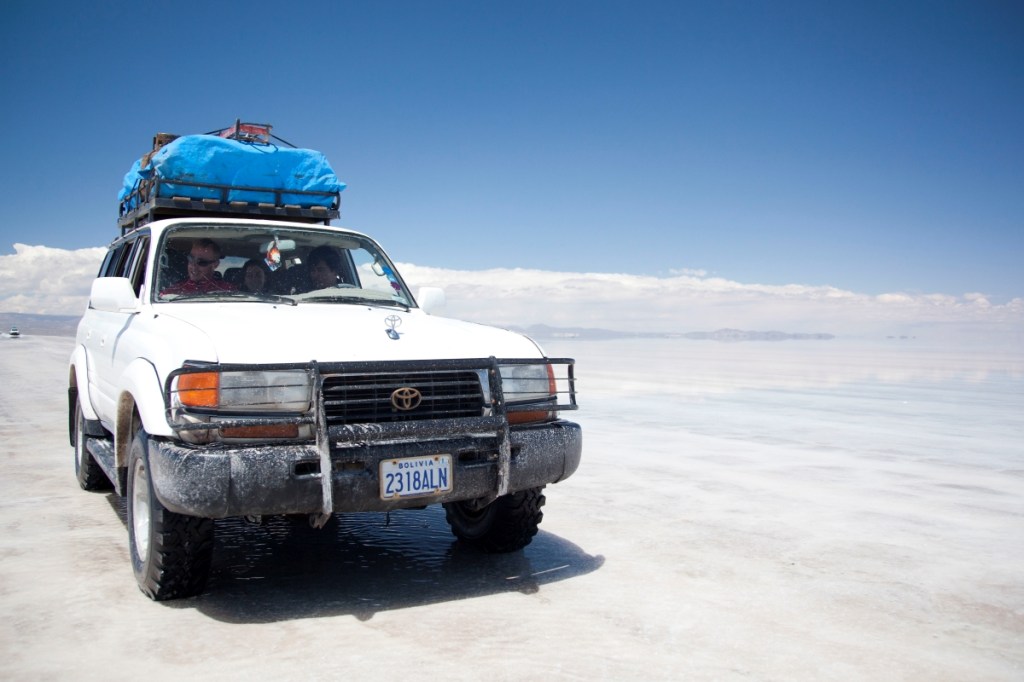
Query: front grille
{"points": [[366, 398]]}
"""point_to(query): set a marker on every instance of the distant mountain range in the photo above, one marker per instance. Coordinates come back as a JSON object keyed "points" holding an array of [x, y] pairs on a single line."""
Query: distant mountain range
{"points": [[65, 325], [40, 325], [542, 331]]}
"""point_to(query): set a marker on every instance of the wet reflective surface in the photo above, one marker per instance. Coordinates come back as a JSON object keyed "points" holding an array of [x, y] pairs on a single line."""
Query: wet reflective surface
{"points": [[794, 511], [280, 568], [364, 563], [902, 399]]}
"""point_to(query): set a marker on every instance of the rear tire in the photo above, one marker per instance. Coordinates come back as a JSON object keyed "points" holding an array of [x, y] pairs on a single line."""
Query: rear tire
{"points": [[171, 553], [505, 525], [89, 474]]}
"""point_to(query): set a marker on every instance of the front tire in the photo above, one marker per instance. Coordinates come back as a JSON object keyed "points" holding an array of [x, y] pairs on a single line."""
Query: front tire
{"points": [[505, 525], [89, 474], [171, 553]]}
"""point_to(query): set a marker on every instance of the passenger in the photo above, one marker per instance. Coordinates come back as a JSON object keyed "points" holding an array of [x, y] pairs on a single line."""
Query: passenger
{"points": [[324, 265], [202, 267], [254, 276]]}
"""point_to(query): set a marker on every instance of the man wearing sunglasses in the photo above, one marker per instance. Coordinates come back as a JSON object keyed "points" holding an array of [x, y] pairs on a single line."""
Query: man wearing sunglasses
{"points": [[202, 264]]}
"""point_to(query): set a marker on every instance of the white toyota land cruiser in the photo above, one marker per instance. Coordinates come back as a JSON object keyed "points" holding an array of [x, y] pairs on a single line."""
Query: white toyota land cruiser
{"points": [[242, 367]]}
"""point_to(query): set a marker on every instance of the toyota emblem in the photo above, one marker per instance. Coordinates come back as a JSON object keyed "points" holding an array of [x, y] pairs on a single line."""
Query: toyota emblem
{"points": [[393, 322], [406, 398]]}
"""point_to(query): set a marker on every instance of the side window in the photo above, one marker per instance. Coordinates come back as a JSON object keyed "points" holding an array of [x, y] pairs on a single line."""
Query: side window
{"points": [[115, 257], [106, 263], [136, 270]]}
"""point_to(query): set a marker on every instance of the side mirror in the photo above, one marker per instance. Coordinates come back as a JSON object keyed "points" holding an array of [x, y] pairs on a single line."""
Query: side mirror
{"points": [[113, 295], [431, 299]]}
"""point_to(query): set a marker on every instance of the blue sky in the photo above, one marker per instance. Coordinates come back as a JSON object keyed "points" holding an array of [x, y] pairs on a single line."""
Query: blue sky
{"points": [[874, 147]]}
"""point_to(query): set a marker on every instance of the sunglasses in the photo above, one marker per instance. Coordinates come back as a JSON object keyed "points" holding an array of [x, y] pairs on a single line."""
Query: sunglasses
{"points": [[202, 262]]}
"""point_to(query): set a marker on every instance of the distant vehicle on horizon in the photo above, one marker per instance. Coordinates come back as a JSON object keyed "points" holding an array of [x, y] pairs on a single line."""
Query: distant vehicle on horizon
{"points": [[14, 332]]}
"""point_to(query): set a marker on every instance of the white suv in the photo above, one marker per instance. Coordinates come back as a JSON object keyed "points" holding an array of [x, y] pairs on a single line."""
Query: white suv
{"points": [[203, 389]]}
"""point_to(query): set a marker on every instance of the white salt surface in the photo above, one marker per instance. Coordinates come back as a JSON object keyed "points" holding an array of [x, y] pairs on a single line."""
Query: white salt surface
{"points": [[803, 510]]}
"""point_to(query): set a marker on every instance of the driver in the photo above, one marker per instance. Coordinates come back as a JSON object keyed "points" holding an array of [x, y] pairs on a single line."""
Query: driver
{"points": [[203, 260]]}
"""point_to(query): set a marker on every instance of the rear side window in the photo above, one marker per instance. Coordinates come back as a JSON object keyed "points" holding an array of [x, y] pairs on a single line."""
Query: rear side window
{"points": [[113, 263]]}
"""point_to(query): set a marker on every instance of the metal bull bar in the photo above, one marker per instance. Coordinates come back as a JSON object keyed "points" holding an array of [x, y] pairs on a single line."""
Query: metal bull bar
{"points": [[493, 423]]}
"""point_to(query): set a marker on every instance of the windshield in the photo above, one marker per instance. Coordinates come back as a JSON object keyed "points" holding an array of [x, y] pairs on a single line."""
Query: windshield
{"points": [[287, 264]]}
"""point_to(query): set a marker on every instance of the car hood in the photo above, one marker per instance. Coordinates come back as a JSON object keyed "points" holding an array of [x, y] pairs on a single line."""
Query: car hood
{"points": [[273, 333]]}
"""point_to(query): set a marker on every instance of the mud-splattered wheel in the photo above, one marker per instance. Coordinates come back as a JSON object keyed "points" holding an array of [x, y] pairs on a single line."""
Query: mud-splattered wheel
{"points": [[89, 474], [170, 552], [505, 525]]}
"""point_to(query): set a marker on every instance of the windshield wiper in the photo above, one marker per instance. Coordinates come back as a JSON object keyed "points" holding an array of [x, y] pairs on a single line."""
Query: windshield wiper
{"points": [[272, 298], [198, 296], [221, 295], [356, 298]]}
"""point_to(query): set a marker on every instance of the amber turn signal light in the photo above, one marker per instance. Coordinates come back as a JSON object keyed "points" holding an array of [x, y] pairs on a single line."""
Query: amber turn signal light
{"points": [[200, 389]]}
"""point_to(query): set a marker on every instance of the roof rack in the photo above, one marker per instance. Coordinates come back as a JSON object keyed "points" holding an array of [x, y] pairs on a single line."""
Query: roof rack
{"points": [[151, 200]]}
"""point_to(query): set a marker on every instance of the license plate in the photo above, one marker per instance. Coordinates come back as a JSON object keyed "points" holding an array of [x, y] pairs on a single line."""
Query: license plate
{"points": [[415, 476]]}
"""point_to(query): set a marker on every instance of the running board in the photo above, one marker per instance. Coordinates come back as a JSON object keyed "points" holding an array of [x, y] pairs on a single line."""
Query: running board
{"points": [[102, 451]]}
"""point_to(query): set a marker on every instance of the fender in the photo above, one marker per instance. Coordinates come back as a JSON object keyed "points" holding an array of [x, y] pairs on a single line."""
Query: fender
{"points": [[79, 364], [141, 392]]}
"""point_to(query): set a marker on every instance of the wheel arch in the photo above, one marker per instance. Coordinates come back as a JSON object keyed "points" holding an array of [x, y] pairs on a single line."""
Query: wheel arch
{"points": [[78, 382], [72, 401], [140, 403]]}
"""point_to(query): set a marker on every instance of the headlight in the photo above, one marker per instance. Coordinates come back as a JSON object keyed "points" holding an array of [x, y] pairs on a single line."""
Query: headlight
{"points": [[250, 391], [527, 385]]}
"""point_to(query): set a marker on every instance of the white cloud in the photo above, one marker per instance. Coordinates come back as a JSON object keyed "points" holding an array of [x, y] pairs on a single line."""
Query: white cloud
{"points": [[40, 279], [689, 301]]}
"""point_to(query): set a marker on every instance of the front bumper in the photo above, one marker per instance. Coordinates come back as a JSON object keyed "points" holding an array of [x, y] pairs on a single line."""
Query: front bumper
{"points": [[286, 479]]}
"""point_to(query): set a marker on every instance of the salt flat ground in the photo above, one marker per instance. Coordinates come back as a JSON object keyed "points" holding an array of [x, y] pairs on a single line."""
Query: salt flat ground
{"points": [[788, 511]]}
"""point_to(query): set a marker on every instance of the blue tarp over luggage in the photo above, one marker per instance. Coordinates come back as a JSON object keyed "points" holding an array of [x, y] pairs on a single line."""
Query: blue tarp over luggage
{"points": [[209, 159]]}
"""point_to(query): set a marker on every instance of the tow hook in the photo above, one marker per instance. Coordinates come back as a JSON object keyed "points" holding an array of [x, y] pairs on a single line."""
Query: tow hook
{"points": [[478, 503]]}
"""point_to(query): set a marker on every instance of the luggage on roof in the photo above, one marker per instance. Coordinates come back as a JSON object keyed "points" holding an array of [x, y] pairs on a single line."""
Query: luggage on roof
{"points": [[238, 171]]}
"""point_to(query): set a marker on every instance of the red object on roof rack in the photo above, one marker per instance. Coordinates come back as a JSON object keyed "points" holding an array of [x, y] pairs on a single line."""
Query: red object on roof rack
{"points": [[246, 132]]}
